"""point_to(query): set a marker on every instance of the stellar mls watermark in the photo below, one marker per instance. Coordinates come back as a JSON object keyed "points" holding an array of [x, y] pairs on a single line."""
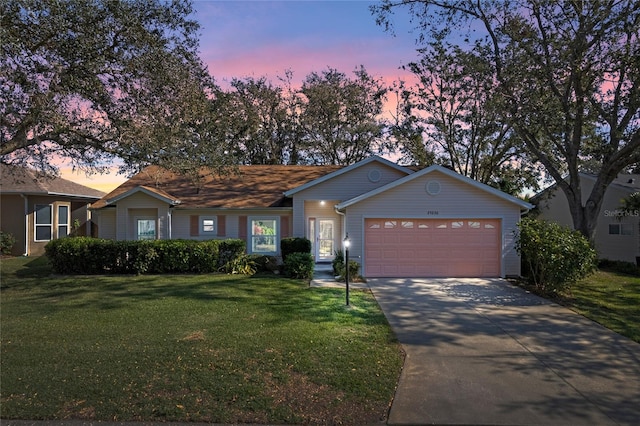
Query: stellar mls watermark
{"points": [[622, 213]]}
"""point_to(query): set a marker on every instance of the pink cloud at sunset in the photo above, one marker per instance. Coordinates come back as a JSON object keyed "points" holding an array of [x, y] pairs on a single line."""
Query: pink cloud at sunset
{"points": [[267, 38]]}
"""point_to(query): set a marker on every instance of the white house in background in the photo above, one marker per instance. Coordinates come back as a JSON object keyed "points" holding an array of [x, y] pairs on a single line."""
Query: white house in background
{"points": [[401, 223], [617, 234]]}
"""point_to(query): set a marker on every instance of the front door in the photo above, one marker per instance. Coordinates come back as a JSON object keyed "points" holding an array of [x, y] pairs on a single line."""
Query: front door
{"points": [[323, 234]]}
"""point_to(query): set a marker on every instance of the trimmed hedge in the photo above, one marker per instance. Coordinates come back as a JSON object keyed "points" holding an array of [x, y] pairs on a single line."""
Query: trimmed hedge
{"points": [[294, 245], [299, 265], [87, 256]]}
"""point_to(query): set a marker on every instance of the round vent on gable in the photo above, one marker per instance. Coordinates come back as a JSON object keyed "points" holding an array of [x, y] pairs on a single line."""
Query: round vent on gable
{"points": [[433, 187], [375, 175]]}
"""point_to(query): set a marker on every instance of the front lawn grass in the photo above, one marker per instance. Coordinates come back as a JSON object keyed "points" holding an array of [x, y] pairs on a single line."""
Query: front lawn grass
{"points": [[206, 348], [610, 298]]}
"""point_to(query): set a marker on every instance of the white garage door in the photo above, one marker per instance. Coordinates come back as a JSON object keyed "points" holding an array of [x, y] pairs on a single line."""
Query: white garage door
{"points": [[432, 247]]}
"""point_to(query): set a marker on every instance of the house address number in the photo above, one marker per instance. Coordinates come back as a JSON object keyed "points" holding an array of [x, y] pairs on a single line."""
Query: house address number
{"points": [[432, 212]]}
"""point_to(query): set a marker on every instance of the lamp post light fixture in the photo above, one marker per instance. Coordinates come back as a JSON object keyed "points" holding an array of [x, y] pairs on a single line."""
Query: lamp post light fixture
{"points": [[346, 242]]}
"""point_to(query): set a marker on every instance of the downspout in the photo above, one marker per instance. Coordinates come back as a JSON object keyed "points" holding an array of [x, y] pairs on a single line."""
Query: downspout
{"points": [[169, 220], [26, 225], [344, 222]]}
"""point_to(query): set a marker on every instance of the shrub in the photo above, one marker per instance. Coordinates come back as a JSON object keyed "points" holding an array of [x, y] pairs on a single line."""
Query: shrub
{"points": [[294, 245], [242, 265], [265, 263], [6, 242], [354, 270], [299, 265], [229, 250], [85, 255], [337, 262], [554, 257]]}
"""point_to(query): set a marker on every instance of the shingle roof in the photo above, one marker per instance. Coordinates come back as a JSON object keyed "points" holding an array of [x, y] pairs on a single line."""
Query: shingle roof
{"points": [[255, 186], [630, 181], [22, 180]]}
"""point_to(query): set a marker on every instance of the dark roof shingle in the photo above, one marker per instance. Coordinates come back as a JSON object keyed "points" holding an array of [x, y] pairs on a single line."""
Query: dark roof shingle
{"points": [[22, 180], [254, 186]]}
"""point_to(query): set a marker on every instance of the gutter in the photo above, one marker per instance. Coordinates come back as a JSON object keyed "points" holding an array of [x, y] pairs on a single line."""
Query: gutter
{"points": [[26, 225]]}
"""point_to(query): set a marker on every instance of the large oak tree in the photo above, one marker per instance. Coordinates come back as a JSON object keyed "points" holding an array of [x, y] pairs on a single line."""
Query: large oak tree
{"points": [[569, 75], [340, 116], [93, 80]]}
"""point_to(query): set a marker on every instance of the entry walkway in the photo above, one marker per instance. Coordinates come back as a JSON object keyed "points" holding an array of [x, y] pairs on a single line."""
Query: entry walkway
{"points": [[484, 352]]}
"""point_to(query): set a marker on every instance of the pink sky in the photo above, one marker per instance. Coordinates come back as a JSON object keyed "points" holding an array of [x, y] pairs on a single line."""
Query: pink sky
{"points": [[266, 38]]}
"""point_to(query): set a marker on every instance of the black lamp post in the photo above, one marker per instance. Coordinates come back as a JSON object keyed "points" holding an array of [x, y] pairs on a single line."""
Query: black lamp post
{"points": [[346, 243]]}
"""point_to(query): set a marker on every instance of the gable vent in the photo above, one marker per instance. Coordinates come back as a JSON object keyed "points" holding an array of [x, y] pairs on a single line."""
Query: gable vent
{"points": [[433, 187]]}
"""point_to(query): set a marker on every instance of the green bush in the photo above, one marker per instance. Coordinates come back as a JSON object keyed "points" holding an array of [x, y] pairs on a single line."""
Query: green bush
{"points": [[265, 263], [294, 245], [554, 257], [6, 242], [354, 270], [299, 265], [242, 265], [85, 255], [337, 262]]}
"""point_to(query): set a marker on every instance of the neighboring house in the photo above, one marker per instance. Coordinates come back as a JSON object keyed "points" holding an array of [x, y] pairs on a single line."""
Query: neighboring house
{"points": [[401, 223], [617, 234], [36, 209]]}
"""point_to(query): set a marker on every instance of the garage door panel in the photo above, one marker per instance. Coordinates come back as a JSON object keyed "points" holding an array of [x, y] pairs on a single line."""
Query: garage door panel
{"points": [[432, 247]]}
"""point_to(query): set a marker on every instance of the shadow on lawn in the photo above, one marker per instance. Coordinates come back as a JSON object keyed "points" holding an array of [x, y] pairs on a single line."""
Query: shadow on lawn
{"points": [[287, 299]]}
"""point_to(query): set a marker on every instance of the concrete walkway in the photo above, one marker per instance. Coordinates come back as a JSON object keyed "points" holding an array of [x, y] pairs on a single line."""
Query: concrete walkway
{"points": [[485, 352]]}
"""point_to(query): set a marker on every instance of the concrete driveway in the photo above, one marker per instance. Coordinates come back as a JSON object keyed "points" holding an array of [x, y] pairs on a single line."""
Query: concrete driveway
{"points": [[481, 351]]}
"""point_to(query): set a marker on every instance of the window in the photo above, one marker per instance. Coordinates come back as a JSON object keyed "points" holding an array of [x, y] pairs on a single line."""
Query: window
{"points": [[207, 225], [63, 221], [264, 235], [43, 218], [457, 224], [474, 225], [390, 224], [146, 229], [620, 229], [407, 224]]}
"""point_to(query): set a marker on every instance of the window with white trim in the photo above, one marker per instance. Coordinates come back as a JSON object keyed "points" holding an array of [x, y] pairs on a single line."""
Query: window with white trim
{"points": [[620, 229], [264, 235], [63, 220], [208, 225], [43, 222], [146, 229]]}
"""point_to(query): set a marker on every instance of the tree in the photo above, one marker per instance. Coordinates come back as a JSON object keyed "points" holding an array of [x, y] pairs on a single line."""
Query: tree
{"points": [[464, 120], [261, 123], [340, 116], [93, 80], [569, 75]]}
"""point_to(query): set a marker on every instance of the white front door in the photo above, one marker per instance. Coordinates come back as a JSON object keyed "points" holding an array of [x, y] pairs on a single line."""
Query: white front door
{"points": [[324, 247]]}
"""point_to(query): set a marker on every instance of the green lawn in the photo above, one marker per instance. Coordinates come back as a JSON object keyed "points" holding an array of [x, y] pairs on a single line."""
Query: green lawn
{"points": [[611, 299], [210, 348]]}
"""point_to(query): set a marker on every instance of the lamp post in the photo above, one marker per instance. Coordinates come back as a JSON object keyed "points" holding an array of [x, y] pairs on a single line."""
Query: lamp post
{"points": [[346, 243]]}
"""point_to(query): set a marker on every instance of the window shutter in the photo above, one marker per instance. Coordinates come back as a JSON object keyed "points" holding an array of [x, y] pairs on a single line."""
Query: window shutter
{"points": [[242, 225], [194, 226], [284, 226], [222, 226]]}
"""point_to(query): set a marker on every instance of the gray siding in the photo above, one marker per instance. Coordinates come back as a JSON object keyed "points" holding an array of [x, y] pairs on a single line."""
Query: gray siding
{"points": [[455, 200], [341, 188]]}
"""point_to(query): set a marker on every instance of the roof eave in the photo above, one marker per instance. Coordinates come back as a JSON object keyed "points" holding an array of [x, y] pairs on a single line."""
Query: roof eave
{"points": [[346, 169], [523, 204]]}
